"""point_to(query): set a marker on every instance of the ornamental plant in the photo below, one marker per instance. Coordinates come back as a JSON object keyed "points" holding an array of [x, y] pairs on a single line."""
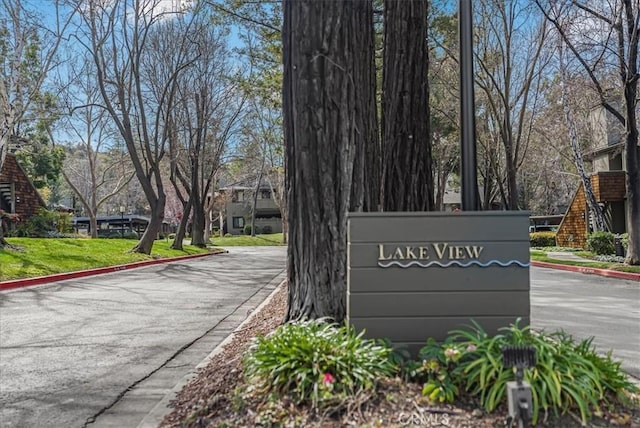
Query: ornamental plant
{"points": [[437, 370], [601, 243], [542, 239], [568, 374], [316, 362]]}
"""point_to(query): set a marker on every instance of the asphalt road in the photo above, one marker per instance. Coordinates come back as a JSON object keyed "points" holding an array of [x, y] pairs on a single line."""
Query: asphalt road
{"points": [[70, 350], [587, 306], [103, 350]]}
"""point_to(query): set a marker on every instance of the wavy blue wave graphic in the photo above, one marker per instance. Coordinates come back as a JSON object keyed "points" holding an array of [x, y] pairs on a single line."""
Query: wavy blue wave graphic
{"points": [[453, 262]]}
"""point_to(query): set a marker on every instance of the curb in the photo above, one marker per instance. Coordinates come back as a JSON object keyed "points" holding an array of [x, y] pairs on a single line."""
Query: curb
{"points": [[26, 282], [163, 407], [588, 270]]}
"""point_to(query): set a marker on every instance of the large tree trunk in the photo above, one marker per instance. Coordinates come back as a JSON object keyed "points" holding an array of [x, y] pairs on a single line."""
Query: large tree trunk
{"points": [[320, 40], [365, 194], [406, 144], [631, 77], [633, 154], [182, 227], [633, 196]]}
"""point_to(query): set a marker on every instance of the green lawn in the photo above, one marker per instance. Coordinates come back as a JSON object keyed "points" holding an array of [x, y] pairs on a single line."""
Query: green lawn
{"points": [[56, 255], [541, 256], [271, 239], [47, 256]]}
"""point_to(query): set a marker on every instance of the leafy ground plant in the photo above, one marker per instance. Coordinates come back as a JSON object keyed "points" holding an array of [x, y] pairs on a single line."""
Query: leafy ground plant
{"points": [[569, 374], [316, 362]]}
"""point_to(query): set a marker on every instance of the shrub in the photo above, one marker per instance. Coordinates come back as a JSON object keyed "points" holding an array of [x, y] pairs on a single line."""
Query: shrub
{"points": [[568, 374], [624, 238], [317, 362], [247, 229], [267, 230], [542, 239], [602, 243], [39, 225], [172, 236], [228, 235], [130, 235]]}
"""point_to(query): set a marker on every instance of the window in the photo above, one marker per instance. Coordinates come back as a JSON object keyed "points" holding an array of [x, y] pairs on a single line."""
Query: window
{"points": [[238, 196], [238, 222]]}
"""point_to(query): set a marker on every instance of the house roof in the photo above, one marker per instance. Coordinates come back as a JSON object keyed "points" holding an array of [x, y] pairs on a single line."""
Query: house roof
{"points": [[601, 151]]}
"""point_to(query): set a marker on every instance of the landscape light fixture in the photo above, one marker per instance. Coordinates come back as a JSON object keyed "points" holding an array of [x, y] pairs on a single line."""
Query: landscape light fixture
{"points": [[519, 392]]}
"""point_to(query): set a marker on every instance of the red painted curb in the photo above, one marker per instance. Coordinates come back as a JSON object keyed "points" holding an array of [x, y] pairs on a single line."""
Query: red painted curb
{"points": [[588, 270], [17, 283]]}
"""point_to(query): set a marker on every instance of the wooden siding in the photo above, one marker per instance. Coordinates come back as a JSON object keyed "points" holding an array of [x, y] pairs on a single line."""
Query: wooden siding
{"points": [[609, 186], [28, 200], [573, 228]]}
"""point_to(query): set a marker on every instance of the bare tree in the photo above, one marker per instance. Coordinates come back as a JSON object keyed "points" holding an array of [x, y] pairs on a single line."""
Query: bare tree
{"points": [[94, 173], [595, 209], [604, 37], [125, 40], [207, 111], [510, 48]]}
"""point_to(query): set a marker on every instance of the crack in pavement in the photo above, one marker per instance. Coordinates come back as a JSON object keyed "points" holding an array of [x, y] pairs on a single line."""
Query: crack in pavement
{"points": [[92, 419]]}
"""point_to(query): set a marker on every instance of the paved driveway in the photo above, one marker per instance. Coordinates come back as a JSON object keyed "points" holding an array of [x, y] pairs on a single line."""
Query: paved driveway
{"points": [[589, 305], [70, 350]]}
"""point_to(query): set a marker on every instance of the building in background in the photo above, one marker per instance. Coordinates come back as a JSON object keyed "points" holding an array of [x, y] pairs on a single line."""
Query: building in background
{"points": [[17, 193], [237, 204]]}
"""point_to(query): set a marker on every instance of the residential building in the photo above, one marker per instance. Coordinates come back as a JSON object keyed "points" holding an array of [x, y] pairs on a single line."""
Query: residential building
{"points": [[17, 193], [608, 180], [237, 205]]}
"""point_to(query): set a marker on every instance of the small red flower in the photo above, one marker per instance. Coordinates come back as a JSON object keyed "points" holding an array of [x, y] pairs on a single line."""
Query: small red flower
{"points": [[328, 378]]}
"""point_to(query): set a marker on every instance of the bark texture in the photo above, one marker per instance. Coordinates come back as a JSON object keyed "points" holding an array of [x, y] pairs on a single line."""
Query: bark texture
{"points": [[365, 194], [322, 41], [406, 145]]}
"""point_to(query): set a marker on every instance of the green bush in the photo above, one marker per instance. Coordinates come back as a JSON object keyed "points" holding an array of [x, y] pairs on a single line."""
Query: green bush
{"points": [[266, 230], [41, 225], [247, 229], [228, 235], [568, 375], [624, 238], [316, 362], [172, 236], [542, 239], [601, 243]]}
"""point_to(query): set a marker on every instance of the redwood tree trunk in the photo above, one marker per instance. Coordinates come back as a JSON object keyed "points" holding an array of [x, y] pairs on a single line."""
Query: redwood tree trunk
{"points": [[365, 195], [406, 144], [321, 41]]}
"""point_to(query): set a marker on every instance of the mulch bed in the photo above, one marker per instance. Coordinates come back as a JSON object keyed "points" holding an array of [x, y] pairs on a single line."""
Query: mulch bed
{"points": [[218, 397]]}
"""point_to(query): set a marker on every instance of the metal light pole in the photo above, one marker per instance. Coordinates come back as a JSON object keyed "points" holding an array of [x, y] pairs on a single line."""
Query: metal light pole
{"points": [[122, 210], [469, 177]]}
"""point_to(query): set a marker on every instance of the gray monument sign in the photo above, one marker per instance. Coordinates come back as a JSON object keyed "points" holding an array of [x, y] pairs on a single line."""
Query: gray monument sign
{"points": [[413, 275]]}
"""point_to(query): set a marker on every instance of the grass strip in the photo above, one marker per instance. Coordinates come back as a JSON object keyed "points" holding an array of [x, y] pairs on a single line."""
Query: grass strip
{"points": [[46, 256]]}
